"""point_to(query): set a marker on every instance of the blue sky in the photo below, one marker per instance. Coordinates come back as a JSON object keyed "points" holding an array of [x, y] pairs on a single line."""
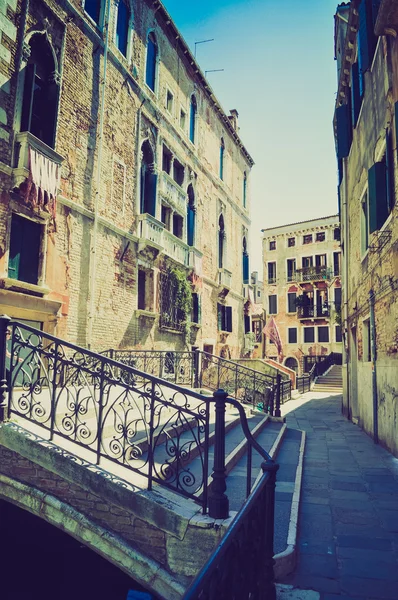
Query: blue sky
{"points": [[280, 74]]}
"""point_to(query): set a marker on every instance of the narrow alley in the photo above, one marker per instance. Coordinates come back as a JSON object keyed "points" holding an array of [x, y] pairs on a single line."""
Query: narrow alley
{"points": [[348, 525]]}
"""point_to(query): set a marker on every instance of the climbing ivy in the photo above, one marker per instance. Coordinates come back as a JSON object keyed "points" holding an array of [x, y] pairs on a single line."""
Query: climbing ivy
{"points": [[183, 294]]}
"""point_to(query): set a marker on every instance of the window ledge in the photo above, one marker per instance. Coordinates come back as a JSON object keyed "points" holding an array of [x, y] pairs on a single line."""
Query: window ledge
{"points": [[196, 325], [145, 313], [14, 284]]}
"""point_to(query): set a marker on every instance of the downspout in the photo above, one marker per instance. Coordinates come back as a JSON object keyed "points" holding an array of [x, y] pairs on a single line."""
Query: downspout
{"points": [[93, 248], [345, 281], [374, 375]]}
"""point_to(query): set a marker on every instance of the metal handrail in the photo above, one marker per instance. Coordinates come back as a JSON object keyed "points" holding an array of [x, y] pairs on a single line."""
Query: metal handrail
{"points": [[115, 411]]}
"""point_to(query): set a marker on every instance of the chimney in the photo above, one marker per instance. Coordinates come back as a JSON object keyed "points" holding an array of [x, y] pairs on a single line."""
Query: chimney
{"points": [[233, 117]]}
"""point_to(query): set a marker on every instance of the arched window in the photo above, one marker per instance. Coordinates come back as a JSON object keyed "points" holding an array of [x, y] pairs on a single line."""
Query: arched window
{"points": [[221, 242], [191, 217], [40, 93], [151, 61], [222, 148], [148, 180], [245, 262], [192, 119], [94, 9], [123, 26], [244, 189]]}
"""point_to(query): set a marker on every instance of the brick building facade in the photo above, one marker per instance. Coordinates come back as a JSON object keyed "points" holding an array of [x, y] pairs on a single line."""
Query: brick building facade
{"points": [[120, 177], [302, 290], [366, 125]]}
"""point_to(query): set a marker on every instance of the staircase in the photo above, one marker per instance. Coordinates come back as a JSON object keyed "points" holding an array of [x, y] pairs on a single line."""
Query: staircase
{"points": [[331, 381]]}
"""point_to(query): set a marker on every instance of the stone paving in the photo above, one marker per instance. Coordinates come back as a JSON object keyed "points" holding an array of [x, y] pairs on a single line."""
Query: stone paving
{"points": [[348, 526]]}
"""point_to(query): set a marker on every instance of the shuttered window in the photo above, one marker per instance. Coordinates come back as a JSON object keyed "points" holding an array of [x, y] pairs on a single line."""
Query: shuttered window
{"points": [[23, 261], [323, 334], [356, 97], [151, 60], [338, 333], [291, 302], [292, 335], [309, 335], [272, 305], [122, 26], [196, 316], [224, 317], [344, 130], [378, 200]]}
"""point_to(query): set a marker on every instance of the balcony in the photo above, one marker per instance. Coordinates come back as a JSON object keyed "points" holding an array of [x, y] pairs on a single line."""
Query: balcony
{"points": [[224, 278], [172, 192], [150, 232], [175, 248], [36, 162], [313, 312], [155, 236], [195, 261], [313, 274]]}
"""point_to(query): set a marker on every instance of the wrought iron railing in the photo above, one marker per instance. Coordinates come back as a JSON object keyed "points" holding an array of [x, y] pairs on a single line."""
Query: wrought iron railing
{"points": [[146, 424], [311, 311], [241, 567], [313, 273], [202, 370], [320, 364], [178, 367]]}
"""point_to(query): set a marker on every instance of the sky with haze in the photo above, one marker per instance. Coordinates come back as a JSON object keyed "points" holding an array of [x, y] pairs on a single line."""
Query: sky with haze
{"points": [[280, 74]]}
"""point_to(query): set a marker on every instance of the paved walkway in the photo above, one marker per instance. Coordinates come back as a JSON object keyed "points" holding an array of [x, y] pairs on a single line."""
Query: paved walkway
{"points": [[348, 527]]}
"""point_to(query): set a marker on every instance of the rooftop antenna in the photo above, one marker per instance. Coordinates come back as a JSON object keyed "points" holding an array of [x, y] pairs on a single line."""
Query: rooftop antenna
{"points": [[202, 42], [213, 71]]}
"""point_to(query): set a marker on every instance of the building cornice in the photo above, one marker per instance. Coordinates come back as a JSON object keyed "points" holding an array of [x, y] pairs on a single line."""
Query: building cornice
{"points": [[348, 55]]}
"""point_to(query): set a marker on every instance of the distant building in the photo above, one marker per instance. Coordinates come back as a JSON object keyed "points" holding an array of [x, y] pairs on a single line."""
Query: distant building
{"points": [[366, 132], [302, 290]]}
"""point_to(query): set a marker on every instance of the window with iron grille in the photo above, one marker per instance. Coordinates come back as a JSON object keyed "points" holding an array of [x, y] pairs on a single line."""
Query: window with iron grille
{"points": [[171, 316]]}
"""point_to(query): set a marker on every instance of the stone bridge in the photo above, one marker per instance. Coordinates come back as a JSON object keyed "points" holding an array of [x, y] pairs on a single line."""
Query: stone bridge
{"points": [[120, 460]]}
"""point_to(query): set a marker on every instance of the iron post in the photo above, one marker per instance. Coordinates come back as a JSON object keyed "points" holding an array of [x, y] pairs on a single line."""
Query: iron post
{"points": [[268, 556], [4, 323], [278, 395], [218, 500]]}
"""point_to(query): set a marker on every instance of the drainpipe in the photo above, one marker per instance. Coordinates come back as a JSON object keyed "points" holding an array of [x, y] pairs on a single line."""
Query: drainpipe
{"points": [[93, 248], [345, 280], [374, 375]]}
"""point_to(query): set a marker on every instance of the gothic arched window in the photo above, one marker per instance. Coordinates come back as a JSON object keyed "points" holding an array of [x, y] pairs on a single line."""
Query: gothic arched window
{"points": [[148, 180], [191, 217]]}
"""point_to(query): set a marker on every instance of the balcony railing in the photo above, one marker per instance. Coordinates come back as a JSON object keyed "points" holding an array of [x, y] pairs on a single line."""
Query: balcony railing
{"points": [[24, 142], [195, 260], [224, 277], [313, 273], [173, 193], [313, 312], [153, 231], [175, 248]]}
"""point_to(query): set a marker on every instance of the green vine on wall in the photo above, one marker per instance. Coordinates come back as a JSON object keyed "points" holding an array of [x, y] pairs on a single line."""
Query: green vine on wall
{"points": [[183, 295]]}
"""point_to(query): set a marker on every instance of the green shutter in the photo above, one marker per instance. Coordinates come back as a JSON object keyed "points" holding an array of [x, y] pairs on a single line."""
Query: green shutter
{"points": [[355, 93], [16, 238], [344, 132], [378, 210], [228, 318], [219, 317]]}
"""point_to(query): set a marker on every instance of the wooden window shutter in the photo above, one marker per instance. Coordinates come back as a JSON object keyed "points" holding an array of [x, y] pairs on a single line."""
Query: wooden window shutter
{"points": [[220, 317], [389, 172], [228, 318], [15, 247], [150, 193], [364, 49], [199, 297], [30, 71], [344, 132], [377, 196], [245, 267], [355, 93]]}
